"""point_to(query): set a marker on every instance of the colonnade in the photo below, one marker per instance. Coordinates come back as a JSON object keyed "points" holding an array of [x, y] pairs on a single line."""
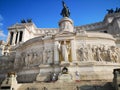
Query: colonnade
{"points": [[15, 37]]}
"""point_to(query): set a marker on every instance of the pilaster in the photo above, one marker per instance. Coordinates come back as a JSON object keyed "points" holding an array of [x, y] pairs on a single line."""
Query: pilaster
{"points": [[56, 53], [73, 51]]}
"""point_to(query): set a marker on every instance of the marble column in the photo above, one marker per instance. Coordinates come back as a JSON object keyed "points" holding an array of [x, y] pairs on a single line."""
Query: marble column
{"points": [[14, 38], [56, 53], [18, 37], [9, 36], [73, 51]]}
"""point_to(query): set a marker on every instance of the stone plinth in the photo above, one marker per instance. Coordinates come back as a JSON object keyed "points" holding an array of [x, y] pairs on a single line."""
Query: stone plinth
{"points": [[66, 24], [46, 71], [94, 70], [64, 63], [65, 78], [10, 82]]}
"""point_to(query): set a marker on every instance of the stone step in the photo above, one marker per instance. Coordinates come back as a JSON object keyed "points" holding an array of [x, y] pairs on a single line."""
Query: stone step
{"points": [[82, 85]]}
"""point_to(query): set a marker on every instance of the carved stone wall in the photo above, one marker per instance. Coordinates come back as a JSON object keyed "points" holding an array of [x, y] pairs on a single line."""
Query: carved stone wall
{"points": [[34, 54], [98, 53]]}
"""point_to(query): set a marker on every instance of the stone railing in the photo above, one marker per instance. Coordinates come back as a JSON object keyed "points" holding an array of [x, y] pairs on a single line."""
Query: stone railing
{"points": [[46, 30], [100, 35], [94, 26]]}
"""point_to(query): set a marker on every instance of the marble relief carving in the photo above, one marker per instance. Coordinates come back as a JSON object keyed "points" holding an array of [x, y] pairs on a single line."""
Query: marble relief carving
{"points": [[35, 57], [98, 53], [48, 56], [31, 57]]}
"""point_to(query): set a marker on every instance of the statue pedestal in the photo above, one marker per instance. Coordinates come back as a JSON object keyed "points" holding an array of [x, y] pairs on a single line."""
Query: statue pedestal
{"points": [[46, 71], [64, 63], [66, 24], [10, 82], [65, 78]]}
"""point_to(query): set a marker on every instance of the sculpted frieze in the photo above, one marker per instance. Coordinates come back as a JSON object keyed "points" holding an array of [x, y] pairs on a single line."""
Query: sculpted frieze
{"points": [[48, 56], [31, 57], [98, 53]]}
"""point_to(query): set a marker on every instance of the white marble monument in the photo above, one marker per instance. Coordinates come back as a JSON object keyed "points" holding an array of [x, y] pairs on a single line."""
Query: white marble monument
{"points": [[90, 50]]}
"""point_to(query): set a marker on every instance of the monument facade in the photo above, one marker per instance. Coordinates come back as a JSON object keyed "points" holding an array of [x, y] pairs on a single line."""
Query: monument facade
{"points": [[89, 52]]}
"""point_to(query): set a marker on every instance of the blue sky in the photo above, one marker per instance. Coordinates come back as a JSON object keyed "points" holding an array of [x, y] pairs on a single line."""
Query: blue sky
{"points": [[46, 13]]}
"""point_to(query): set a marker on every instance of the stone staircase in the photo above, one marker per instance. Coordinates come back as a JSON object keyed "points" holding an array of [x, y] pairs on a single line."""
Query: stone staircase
{"points": [[82, 85]]}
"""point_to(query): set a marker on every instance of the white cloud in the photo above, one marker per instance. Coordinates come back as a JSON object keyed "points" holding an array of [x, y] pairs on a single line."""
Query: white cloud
{"points": [[2, 35]]}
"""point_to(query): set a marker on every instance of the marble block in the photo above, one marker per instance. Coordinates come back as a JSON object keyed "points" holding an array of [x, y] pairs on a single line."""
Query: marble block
{"points": [[65, 78], [41, 78]]}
